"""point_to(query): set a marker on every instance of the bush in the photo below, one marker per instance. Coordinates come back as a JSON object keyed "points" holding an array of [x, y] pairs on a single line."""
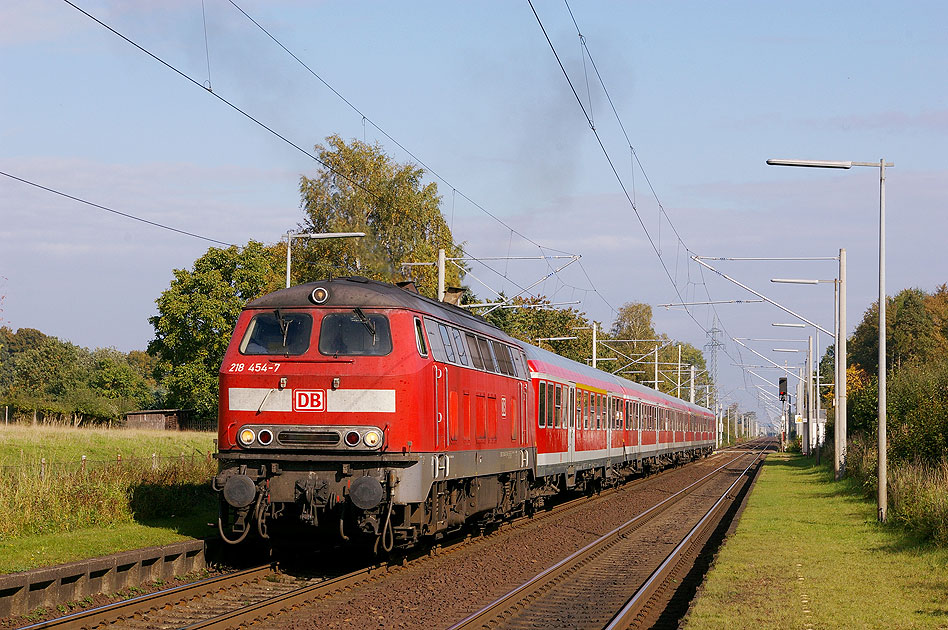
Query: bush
{"points": [[916, 412], [795, 445], [917, 491]]}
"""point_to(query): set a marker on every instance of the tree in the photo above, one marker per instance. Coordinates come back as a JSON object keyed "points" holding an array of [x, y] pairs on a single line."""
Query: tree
{"points": [[365, 190], [534, 319], [912, 330], [196, 316]]}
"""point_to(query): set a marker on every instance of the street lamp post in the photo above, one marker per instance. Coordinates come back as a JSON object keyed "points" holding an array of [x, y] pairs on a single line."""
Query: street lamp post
{"points": [[882, 503], [319, 235]]}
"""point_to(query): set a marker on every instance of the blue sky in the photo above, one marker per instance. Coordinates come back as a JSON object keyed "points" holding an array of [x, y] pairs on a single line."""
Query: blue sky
{"points": [[706, 92]]}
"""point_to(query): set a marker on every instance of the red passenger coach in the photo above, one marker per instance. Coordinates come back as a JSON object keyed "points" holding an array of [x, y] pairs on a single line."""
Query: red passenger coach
{"points": [[367, 411], [593, 426]]}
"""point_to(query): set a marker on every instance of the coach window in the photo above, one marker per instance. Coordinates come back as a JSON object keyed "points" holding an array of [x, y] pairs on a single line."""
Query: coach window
{"points": [[541, 400], [597, 399], [550, 409], [459, 344], [446, 339], [584, 414], [475, 351], [559, 406]]}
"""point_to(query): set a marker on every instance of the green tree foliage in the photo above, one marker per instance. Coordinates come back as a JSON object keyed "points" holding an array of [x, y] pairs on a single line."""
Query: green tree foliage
{"points": [[915, 330], [534, 319], [917, 382], [62, 382], [367, 191], [196, 316]]}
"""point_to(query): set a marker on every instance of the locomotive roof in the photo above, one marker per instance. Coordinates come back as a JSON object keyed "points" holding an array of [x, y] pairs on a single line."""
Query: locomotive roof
{"points": [[356, 291], [573, 369]]}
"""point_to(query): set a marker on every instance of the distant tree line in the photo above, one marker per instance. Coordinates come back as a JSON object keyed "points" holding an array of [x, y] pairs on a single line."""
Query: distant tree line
{"points": [[48, 380]]}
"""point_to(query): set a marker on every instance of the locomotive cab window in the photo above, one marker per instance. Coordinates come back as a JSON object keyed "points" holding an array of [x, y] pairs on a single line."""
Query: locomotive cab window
{"points": [[355, 334], [277, 332], [420, 338]]}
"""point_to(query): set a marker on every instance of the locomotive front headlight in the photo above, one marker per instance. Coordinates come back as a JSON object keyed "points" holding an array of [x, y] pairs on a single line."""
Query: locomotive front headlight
{"points": [[265, 436], [352, 438], [319, 295], [246, 437], [372, 438]]}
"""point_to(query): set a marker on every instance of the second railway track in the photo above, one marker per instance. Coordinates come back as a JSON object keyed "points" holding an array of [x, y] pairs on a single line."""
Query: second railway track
{"points": [[587, 589]]}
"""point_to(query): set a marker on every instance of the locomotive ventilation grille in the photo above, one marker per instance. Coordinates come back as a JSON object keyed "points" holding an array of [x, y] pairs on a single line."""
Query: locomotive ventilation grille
{"points": [[309, 438]]}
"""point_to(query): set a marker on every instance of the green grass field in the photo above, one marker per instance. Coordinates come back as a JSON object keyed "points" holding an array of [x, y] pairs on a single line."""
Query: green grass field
{"points": [[69, 514], [24, 445], [808, 553]]}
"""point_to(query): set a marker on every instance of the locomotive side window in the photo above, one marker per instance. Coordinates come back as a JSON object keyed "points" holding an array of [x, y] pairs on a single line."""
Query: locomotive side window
{"points": [[486, 355], [434, 341], [420, 338], [541, 400], [446, 339], [475, 352], [355, 334], [276, 332], [459, 344], [502, 353]]}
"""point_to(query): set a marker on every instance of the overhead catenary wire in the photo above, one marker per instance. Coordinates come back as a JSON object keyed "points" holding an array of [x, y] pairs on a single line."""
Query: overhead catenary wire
{"points": [[348, 177], [656, 248], [401, 146], [114, 211]]}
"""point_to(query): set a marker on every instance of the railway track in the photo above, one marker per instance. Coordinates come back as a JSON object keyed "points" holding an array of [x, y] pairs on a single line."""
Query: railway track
{"points": [[240, 598], [586, 588]]}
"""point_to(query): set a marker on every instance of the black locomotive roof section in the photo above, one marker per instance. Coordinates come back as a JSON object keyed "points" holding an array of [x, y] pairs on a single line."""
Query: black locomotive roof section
{"points": [[362, 292]]}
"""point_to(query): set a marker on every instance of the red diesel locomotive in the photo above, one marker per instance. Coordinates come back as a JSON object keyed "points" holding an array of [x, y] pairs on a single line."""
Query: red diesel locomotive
{"points": [[364, 409]]}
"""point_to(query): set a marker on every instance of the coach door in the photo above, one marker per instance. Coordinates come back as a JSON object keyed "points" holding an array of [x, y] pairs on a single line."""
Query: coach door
{"points": [[571, 425], [441, 406]]}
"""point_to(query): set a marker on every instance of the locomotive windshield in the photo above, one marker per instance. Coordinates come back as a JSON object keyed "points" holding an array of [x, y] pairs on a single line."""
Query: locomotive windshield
{"points": [[355, 333], [276, 332]]}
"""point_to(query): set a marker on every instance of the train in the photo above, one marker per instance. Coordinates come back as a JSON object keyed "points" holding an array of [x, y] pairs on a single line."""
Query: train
{"points": [[357, 410]]}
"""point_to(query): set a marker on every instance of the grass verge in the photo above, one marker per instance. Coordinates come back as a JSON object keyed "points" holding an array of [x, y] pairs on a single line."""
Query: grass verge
{"points": [[42, 550], [808, 553]]}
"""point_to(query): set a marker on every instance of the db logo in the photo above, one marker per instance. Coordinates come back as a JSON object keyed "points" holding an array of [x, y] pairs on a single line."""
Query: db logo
{"points": [[309, 400]]}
